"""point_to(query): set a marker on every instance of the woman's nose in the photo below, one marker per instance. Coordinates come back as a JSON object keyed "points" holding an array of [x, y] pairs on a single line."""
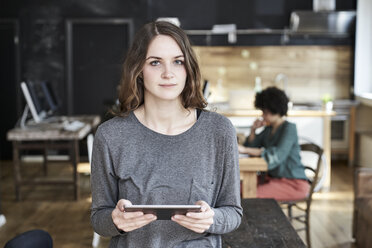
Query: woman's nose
{"points": [[167, 72]]}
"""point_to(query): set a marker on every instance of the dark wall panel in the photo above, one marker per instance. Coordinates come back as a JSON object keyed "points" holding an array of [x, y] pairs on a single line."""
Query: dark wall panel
{"points": [[8, 75], [98, 52], [192, 14], [42, 27]]}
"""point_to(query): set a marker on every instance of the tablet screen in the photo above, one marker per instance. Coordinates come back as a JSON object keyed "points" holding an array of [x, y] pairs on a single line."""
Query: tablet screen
{"points": [[163, 212]]}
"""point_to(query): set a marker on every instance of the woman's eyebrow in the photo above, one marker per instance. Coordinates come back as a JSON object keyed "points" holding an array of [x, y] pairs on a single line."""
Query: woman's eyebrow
{"points": [[153, 57], [158, 58]]}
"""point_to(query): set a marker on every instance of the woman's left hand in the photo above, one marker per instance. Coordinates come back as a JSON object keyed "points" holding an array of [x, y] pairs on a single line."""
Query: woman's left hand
{"points": [[197, 222], [242, 149]]}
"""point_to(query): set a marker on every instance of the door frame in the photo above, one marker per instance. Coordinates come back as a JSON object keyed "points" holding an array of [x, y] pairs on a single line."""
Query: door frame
{"points": [[17, 52]]}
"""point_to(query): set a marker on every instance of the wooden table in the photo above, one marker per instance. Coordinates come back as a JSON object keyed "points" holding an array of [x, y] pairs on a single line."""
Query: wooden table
{"points": [[46, 136], [263, 225], [248, 172]]}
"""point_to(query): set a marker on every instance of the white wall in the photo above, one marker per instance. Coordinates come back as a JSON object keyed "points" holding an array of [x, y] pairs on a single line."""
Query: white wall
{"points": [[363, 54]]}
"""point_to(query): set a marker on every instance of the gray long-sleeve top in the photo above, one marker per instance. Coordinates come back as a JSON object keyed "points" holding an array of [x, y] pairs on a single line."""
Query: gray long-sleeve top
{"points": [[135, 163]]}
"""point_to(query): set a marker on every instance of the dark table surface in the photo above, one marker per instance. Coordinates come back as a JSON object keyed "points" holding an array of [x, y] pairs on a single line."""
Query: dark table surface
{"points": [[263, 225]]}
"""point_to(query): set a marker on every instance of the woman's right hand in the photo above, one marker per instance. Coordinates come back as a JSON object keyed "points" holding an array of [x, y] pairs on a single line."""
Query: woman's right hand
{"points": [[129, 221], [257, 124]]}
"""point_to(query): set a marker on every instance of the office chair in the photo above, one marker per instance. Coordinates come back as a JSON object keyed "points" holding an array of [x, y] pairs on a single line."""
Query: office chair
{"points": [[31, 239], [314, 180]]}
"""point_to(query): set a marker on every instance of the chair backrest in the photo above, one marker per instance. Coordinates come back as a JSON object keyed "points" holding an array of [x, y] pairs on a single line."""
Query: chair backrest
{"points": [[315, 178], [90, 140], [31, 239]]}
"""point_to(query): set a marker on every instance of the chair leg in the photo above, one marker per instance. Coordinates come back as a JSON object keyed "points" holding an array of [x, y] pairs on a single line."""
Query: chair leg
{"points": [[290, 212], [307, 224]]}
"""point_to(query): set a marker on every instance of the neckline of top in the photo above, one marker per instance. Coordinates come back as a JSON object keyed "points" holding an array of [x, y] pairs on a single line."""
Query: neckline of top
{"points": [[167, 136]]}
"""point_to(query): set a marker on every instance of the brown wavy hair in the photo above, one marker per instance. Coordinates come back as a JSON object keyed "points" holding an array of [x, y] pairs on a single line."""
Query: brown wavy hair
{"points": [[131, 90]]}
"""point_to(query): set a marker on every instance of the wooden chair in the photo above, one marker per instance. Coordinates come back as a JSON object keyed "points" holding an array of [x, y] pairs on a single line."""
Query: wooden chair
{"points": [[313, 180]]}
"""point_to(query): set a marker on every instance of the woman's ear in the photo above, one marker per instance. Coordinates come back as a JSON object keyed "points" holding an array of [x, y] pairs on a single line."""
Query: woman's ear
{"points": [[140, 78]]}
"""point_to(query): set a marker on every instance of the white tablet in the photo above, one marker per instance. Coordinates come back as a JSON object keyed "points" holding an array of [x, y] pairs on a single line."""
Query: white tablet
{"points": [[163, 212]]}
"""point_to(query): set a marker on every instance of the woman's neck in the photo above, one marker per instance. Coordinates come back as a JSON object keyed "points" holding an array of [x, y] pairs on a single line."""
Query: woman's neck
{"points": [[276, 124], [169, 118]]}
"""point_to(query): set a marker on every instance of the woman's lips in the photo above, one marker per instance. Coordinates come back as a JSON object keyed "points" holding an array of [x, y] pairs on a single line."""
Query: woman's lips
{"points": [[167, 85]]}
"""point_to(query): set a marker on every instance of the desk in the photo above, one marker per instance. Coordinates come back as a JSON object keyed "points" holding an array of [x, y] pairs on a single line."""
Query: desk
{"points": [[46, 136], [263, 225], [248, 172]]}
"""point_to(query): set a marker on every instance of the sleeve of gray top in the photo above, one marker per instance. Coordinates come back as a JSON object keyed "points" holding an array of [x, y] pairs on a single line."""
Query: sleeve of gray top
{"points": [[104, 188], [228, 210]]}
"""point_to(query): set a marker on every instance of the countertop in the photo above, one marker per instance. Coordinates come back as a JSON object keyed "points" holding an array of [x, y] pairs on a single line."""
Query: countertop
{"points": [[263, 225]]}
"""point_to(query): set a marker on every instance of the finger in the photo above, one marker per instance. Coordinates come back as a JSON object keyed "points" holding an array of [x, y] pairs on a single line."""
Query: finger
{"points": [[140, 218], [206, 211], [190, 222], [202, 215], [132, 218], [139, 222], [194, 226], [208, 221], [204, 205], [132, 215], [131, 227], [121, 203], [199, 228]]}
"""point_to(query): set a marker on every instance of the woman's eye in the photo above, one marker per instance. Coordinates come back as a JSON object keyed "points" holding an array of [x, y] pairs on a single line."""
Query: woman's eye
{"points": [[179, 62], [155, 62]]}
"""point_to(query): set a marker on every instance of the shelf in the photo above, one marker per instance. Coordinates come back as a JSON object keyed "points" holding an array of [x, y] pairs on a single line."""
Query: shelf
{"points": [[267, 31]]}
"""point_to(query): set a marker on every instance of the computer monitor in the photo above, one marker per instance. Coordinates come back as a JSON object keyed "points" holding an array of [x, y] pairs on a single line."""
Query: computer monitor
{"points": [[206, 91], [50, 97], [33, 102], [40, 99]]}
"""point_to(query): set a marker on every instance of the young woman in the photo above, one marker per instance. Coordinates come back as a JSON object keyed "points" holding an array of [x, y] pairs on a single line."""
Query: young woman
{"points": [[278, 145], [163, 148]]}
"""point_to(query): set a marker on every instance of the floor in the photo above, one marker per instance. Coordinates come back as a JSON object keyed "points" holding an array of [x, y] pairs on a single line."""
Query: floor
{"points": [[331, 212], [53, 209]]}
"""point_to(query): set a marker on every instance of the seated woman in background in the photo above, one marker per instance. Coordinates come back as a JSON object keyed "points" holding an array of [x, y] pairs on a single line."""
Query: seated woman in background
{"points": [[278, 145]]}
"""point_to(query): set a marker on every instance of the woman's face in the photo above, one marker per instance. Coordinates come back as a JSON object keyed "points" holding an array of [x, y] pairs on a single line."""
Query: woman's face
{"points": [[270, 118], [164, 73]]}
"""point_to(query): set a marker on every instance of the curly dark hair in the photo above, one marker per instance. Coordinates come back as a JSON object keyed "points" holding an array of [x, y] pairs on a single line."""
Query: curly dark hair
{"points": [[273, 100]]}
